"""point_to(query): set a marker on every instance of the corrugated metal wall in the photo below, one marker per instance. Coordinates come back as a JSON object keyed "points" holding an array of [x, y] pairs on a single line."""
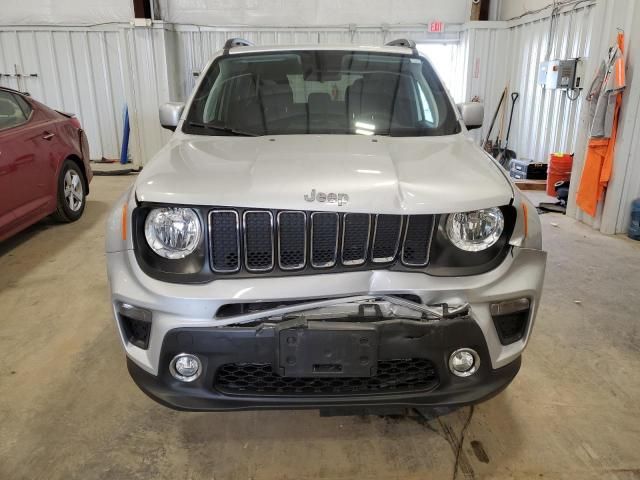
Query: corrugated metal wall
{"points": [[95, 71], [196, 45], [544, 121], [481, 75], [628, 146], [612, 215], [449, 60], [148, 85], [78, 70]]}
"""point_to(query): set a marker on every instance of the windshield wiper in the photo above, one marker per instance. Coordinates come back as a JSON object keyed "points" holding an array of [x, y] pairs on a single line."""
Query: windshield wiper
{"points": [[228, 130]]}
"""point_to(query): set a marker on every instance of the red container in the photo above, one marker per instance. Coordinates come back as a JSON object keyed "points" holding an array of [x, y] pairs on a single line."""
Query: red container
{"points": [[559, 169]]}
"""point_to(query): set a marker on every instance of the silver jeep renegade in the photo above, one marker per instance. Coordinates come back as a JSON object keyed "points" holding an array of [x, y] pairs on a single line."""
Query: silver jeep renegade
{"points": [[321, 232]]}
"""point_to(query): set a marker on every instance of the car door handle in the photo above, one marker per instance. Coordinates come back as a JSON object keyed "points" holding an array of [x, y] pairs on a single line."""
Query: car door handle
{"points": [[48, 136]]}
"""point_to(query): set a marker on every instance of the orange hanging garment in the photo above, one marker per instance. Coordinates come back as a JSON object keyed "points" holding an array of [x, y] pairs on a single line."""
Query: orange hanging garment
{"points": [[606, 97]]}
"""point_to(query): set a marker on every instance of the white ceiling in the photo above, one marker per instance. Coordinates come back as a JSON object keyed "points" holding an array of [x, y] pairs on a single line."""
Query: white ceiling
{"points": [[240, 12], [65, 12]]}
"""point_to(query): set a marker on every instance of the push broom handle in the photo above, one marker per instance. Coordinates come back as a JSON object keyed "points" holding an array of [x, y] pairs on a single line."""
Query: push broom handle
{"points": [[495, 116]]}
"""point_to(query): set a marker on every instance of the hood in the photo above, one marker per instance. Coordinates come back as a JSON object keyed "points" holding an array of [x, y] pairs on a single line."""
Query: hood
{"points": [[395, 175]]}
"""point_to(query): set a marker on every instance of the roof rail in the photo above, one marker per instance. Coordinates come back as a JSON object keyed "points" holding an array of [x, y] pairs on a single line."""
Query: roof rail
{"points": [[236, 42], [403, 42]]}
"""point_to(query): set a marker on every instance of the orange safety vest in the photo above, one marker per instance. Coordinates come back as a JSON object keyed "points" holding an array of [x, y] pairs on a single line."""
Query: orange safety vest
{"points": [[600, 151]]}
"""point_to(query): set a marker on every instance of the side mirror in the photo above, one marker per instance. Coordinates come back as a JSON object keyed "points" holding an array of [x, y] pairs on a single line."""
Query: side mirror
{"points": [[472, 114], [170, 114]]}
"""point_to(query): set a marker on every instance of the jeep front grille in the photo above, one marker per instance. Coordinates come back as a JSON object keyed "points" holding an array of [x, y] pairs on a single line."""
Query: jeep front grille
{"points": [[292, 240], [225, 246], [415, 251], [386, 238], [355, 238], [259, 241], [324, 239]]}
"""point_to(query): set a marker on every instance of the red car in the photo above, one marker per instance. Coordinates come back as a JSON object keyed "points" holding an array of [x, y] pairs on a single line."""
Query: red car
{"points": [[44, 163]]}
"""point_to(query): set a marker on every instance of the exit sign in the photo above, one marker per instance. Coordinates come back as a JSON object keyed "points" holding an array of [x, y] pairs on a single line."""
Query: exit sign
{"points": [[436, 27]]}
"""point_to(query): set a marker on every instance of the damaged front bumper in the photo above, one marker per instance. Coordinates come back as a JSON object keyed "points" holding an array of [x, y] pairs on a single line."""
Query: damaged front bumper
{"points": [[243, 364]]}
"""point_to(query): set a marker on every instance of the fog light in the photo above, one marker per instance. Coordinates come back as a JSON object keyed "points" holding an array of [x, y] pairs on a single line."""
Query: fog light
{"points": [[185, 367], [464, 362]]}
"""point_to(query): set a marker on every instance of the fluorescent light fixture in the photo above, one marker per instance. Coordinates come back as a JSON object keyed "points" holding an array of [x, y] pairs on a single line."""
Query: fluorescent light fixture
{"points": [[359, 131]]}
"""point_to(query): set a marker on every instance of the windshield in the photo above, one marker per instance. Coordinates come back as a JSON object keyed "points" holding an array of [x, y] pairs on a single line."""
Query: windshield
{"points": [[321, 92]]}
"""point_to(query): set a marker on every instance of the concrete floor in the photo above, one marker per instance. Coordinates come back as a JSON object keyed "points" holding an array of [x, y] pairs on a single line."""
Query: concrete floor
{"points": [[69, 410]]}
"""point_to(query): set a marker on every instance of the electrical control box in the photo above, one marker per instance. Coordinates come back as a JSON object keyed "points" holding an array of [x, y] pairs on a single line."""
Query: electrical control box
{"points": [[562, 74]]}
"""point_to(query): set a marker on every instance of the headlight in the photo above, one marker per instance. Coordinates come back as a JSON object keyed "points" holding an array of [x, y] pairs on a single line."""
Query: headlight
{"points": [[172, 232], [475, 231]]}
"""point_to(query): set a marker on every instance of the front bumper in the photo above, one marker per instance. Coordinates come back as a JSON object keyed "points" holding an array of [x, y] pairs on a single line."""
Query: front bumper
{"points": [[217, 347], [177, 308]]}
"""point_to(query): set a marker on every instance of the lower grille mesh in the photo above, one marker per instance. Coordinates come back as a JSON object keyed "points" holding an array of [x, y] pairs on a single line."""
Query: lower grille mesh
{"points": [[392, 376]]}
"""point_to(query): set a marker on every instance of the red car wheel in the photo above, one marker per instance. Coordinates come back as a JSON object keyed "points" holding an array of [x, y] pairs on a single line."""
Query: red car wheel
{"points": [[71, 193]]}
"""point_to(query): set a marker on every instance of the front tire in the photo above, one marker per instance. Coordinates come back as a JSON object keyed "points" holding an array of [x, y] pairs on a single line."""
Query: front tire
{"points": [[71, 196]]}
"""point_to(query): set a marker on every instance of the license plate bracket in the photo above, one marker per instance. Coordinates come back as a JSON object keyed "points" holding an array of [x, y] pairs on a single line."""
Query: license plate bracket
{"points": [[328, 349]]}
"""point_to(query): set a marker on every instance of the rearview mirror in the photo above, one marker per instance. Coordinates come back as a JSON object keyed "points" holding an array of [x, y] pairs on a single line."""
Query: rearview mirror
{"points": [[170, 114], [472, 114]]}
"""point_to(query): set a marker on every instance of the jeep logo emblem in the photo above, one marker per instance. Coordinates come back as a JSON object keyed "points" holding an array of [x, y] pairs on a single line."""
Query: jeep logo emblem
{"points": [[339, 198]]}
